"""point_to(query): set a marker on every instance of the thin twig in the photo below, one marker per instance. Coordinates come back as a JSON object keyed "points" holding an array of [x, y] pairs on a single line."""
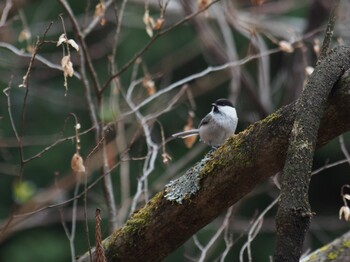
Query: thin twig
{"points": [[151, 41], [57, 142], [224, 225], [5, 12], [254, 230], [326, 166], [329, 31], [343, 148], [205, 72], [94, 22], [71, 234], [24, 84], [38, 57], [84, 48]]}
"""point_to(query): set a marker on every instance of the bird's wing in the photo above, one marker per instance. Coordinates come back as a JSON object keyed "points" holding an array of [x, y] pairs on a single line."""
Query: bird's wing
{"points": [[205, 120]]}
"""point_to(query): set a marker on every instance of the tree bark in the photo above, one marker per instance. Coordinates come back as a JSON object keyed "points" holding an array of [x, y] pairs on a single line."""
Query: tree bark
{"points": [[224, 177], [336, 251], [294, 212]]}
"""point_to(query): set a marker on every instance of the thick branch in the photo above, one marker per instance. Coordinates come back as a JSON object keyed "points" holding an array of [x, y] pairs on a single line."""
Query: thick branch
{"points": [[294, 212], [226, 176]]}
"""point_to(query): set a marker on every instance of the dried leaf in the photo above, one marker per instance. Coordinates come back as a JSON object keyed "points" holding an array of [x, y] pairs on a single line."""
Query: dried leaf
{"points": [[149, 22], [202, 4], [73, 44], [190, 140], [77, 164], [24, 35], [286, 46], [159, 23], [103, 21], [61, 39], [146, 17], [100, 9], [344, 212], [149, 31], [148, 83], [67, 66], [166, 158], [30, 49]]}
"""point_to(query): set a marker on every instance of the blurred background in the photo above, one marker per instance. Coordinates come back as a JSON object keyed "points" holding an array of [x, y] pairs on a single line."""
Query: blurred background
{"points": [[256, 53]]}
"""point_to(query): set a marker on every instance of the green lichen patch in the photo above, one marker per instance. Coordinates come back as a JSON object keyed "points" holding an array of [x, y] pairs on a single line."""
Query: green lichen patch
{"points": [[182, 188], [346, 243], [332, 255]]}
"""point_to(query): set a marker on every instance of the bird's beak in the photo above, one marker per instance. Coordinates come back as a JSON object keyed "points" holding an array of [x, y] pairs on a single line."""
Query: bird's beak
{"points": [[213, 104]]}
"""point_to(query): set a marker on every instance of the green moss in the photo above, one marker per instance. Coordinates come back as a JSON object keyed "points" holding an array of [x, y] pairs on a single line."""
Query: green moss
{"points": [[141, 218], [323, 249], [346, 243], [136, 223], [313, 257], [272, 117], [332, 255]]}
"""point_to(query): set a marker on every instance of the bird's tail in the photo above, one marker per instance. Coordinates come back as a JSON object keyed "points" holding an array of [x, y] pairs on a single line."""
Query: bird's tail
{"points": [[185, 134]]}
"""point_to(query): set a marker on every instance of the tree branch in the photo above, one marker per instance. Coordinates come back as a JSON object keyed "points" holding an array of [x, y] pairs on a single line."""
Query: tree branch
{"points": [[294, 212], [337, 251], [225, 176]]}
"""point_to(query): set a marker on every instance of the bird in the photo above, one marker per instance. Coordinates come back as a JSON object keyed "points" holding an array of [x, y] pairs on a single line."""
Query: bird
{"points": [[217, 126]]}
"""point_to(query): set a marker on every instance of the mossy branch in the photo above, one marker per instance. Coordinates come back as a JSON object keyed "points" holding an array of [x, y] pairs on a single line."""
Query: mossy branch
{"points": [[226, 175], [336, 251]]}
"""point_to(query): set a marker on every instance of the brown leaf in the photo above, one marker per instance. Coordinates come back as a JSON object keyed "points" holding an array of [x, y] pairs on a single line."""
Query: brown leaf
{"points": [[77, 164]]}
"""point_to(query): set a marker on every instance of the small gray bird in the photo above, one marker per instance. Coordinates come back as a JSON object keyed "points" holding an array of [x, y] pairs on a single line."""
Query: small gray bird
{"points": [[216, 126]]}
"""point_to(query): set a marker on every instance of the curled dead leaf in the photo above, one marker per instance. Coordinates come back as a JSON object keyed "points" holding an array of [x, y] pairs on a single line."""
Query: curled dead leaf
{"points": [[190, 140], [67, 66], [24, 35], [77, 164], [149, 84], [159, 23], [202, 4], [286, 46]]}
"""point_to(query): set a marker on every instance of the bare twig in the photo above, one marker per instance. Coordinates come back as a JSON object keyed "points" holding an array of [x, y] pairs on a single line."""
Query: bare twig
{"points": [[94, 22], [85, 58], [5, 12], [151, 41], [57, 142], [192, 77], [24, 84], [254, 230], [343, 148], [84, 48], [38, 57], [214, 238], [71, 234], [326, 166]]}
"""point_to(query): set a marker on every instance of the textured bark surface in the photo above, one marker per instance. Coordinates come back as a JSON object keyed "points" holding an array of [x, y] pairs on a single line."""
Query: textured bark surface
{"points": [[294, 212], [226, 176], [336, 251]]}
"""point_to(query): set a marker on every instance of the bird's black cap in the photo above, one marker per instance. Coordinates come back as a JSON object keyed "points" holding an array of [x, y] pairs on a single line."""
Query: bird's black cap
{"points": [[223, 102]]}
